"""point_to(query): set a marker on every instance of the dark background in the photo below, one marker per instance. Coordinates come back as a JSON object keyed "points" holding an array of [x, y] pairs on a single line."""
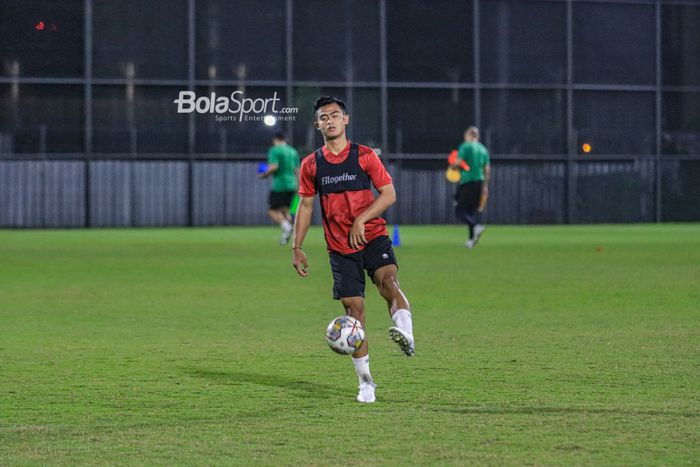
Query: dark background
{"points": [[94, 80]]}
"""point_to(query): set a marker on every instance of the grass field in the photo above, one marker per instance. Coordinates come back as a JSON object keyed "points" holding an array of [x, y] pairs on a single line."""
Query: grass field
{"points": [[544, 345]]}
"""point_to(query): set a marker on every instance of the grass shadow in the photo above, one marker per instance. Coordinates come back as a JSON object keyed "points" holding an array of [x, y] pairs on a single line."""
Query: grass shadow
{"points": [[307, 388]]}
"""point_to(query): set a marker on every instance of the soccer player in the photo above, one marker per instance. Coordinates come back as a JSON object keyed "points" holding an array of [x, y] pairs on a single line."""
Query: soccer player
{"points": [[283, 165], [473, 185], [342, 174]]}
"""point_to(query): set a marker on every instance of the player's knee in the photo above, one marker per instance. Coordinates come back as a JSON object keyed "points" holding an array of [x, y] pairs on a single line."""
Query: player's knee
{"points": [[357, 313], [388, 286], [354, 307]]}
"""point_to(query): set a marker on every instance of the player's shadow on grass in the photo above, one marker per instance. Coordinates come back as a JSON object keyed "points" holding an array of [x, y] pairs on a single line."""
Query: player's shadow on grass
{"points": [[560, 410], [303, 388]]}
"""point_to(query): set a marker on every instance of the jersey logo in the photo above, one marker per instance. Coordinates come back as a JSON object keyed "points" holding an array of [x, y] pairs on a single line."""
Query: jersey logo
{"points": [[346, 177]]}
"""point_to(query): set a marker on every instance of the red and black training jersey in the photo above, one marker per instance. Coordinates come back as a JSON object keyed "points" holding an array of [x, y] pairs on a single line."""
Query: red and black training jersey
{"points": [[344, 183]]}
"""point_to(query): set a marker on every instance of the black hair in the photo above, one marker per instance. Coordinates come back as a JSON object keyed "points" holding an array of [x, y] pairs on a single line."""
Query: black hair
{"points": [[280, 136], [326, 100]]}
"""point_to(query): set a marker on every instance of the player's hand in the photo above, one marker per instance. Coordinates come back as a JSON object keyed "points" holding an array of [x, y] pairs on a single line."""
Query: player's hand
{"points": [[484, 198], [357, 235], [299, 261]]}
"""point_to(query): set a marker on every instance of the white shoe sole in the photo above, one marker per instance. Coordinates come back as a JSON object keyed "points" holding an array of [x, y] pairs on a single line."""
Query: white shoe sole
{"points": [[401, 338], [477, 236], [284, 238], [367, 400]]}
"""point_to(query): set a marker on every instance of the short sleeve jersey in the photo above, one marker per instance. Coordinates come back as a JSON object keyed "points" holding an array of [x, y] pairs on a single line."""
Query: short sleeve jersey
{"points": [[477, 157], [287, 160], [341, 206]]}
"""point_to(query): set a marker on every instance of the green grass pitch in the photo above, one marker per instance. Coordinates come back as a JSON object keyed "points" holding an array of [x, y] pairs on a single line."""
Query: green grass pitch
{"points": [[544, 345]]}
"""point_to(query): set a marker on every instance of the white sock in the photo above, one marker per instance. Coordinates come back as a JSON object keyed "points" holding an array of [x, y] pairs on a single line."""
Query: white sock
{"points": [[403, 320], [286, 225], [362, 369]]}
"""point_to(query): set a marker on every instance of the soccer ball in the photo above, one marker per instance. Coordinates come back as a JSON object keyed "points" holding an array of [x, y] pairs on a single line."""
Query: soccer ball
{"points": [[345, 335]]}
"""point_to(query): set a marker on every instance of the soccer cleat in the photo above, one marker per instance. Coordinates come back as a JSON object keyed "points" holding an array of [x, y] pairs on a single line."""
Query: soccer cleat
{"points": [[478, 230], [366, 394], [404, 339], [469, 244], [286, 233]]}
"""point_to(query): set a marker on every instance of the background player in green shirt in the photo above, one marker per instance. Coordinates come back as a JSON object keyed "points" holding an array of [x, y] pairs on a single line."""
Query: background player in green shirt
{"points": [[283, 165], [473, 185]]}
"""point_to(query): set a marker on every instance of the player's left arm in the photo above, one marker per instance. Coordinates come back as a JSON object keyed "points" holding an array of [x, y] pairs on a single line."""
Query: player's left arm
{"points": [[387, 197], [381, 180], [271, 168], [457, 163], [272, 163], [460, 162], [458, 159]]}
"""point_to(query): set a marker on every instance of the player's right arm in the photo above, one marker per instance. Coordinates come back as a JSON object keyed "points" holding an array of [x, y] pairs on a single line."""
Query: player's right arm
{"points": [[485, 187], [301, 227], [487, 171], [302, 221]]}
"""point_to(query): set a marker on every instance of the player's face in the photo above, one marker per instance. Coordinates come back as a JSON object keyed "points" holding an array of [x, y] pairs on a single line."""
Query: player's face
{"points": [[331, 121]]}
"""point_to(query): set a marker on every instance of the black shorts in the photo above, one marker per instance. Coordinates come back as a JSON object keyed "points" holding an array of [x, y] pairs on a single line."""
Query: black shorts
{"points": [[349, 270], [468, 196], [281, 199]]}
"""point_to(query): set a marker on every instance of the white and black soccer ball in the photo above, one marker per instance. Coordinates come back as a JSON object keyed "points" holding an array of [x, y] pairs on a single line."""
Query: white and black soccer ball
{"points": [[345, 335]]}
